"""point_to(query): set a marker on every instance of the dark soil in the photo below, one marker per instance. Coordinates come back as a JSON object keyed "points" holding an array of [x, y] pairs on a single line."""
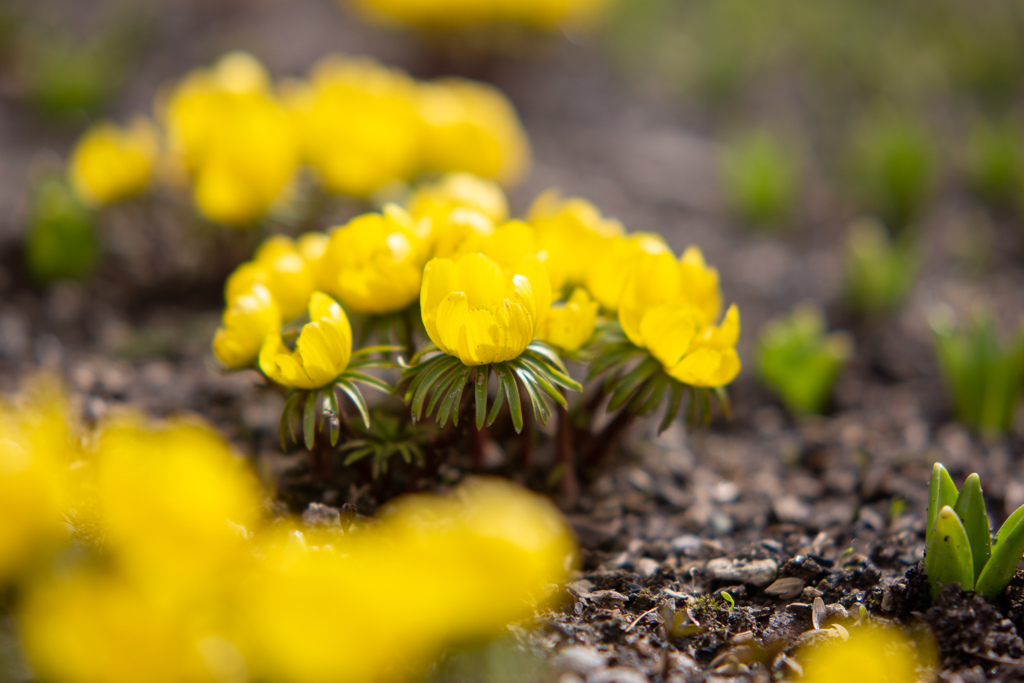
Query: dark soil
{"points": [[774, 512]]}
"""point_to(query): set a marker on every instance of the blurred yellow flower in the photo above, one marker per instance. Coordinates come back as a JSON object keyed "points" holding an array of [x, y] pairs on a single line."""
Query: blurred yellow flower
{"points": [[359, 125], [572, 232], [570, 324], [281, 267], [462, 231], [451, 14], [110, 163], [248, 320], [480, 312], [374, 263], [471, 126], [37, 445], [875, 654], [234, 138], [514, 240], [458, 190], [322, 350], [613, 262], [492, 533], [669, 307]]}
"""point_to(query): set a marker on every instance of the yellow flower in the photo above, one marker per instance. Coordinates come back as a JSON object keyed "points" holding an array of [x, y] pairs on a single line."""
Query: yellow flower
{"points": [[461, 231], [321, 353], [458, 190], [870, 653], [477, 311], [37, 445], [234, 138], [358, 122], [513, 241], [660, 279], [452, 14], [280, 266], [374, 264], [569, 325], [248, 320], [110, 163], [572, 232], [613, 262], [695, 354], [471, 126]]}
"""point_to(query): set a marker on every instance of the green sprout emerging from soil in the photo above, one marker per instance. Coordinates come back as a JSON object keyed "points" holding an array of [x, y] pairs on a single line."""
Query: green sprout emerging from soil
{"points": [[879, 271], [800, 362], [760, 174], [984, 376], [958, 541]]}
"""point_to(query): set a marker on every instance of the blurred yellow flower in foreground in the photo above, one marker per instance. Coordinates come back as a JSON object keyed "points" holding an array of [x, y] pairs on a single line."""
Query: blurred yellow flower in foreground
{"points": [[280, 266], [248, 320], [572, 232], [870, 655], [445, 554], [110, 163], [669, 306], [38, 443], [570, 324], [234, 138], [480, 312], [322, 350], [471, 126], [358, 123], [374, 263]]}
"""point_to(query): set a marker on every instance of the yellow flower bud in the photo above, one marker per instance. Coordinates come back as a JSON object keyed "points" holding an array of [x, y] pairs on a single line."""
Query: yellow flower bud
{"points": [[280, 266], [461, 231], [481, 313], [110, 163], [458, 190], [572, 232], [321, 353], [471, 126], [374, 264], [513, 241], [695, 354], [234, 138], [249, 319], [359, 126], [569, 325], [614, 260]]}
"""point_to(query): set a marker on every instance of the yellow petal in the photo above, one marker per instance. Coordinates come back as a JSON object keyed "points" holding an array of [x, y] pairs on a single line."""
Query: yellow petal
{"points": [[668, 332], [438, 283], [707, 367], [653, 280]]}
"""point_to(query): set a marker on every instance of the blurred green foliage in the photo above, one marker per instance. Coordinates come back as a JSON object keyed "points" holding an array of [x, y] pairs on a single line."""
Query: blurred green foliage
{"points": [[760, 178], [984, 376], [878, 271], [893, 167], [800, 362], [995, 161], [61, 240]]}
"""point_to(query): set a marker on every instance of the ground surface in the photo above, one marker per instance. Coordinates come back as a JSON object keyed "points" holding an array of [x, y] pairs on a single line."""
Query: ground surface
{"points": [[778, 513]]}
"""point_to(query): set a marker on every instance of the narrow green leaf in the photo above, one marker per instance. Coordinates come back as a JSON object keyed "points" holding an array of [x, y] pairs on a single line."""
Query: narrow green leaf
{"points": [[370, 381], [674, 403], [947, 557], [970, 508], [941, 491], [309, 421], [540, 409], [445, 385], [480, 378], [359, 454], [287, 425], [499, 401], [380, 348], [1006, 554], [453, 398], [352, 391], [653, 395], [332, 416], [543, 380], [556, 374], [426, 381], [508, 384], [542, 349]]}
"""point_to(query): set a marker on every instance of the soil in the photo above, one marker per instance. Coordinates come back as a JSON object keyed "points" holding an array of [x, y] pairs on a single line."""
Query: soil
{"points": [[774, 512]]}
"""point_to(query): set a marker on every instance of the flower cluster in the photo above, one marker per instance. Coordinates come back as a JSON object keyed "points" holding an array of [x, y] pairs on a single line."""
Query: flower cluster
{"points": [[449, 14], [176, 574], [238, 141], [492, 293]]}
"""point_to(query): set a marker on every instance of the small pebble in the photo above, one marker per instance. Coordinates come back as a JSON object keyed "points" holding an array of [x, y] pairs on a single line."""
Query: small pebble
{"points": [[646, 567], [577, 660], [755, 572], [618, 674]]}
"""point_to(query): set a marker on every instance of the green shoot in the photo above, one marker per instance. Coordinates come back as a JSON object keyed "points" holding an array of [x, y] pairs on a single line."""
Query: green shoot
{"points": [[760, 177], [879, 271], [61, 240]]}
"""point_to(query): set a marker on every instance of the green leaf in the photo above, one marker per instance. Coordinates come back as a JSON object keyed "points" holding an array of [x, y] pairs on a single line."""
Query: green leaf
{"points": [[426, 378], [947, 556], [453, 398], [352, 391], [499, 401], [331, 415], [540, 407], [970, 508], [508, 384], [481, 376], [1006, 554], [445, 386], [941, 491], [287, 425], [674, 403], [380, 348], [545, 381], [309, 421], [370, 381]]}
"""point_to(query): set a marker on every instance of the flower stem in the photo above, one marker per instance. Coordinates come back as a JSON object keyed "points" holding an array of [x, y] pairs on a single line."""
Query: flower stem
{"points": [[569, 484]]}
